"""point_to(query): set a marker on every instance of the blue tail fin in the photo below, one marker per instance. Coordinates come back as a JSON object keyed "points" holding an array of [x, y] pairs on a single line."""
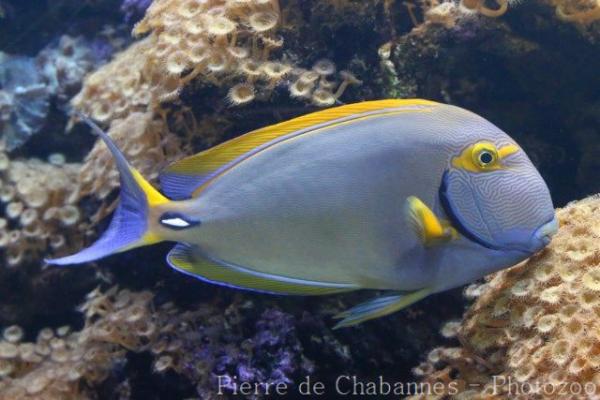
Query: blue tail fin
{"points": [[129, 227]]}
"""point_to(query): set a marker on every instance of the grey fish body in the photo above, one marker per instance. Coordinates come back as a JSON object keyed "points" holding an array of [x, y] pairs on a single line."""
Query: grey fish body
{"points": [[410, 196], [328, 205]]}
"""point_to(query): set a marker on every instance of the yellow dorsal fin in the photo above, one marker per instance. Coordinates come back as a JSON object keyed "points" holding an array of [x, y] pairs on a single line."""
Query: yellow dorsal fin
{"points": [[197, 168]]}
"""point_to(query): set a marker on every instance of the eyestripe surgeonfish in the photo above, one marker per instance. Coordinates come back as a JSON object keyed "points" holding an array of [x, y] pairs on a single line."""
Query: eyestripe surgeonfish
{"points": [[409, 196]]}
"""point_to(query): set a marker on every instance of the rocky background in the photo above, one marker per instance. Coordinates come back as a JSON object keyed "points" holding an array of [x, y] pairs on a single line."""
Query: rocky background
{"points": [[128, 326]]}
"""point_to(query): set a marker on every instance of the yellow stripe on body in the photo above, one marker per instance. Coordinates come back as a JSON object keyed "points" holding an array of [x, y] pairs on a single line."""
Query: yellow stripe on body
{"points": [[299, 127], [216, 157]]}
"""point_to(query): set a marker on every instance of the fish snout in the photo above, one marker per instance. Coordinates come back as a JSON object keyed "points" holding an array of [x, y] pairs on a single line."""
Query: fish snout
{"points": [[543, 235]]}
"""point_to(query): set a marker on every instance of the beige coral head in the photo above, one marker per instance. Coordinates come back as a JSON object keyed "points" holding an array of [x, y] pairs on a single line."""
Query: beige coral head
{"points": [[217, 62], [57, 242], [324, 67], [28, 217], [171, 36], [193, 27], [163, 363], [275, 70], [309, 77], [238, 53], [177, 62], [189, 8], [263, 21], [591, 279], [198, 52], [37, 198], [301, 90], [69, 215], [323, 98], [219, 25], [101, 111], [250, 67], [14, 209], [241, 94], [13, 334]]}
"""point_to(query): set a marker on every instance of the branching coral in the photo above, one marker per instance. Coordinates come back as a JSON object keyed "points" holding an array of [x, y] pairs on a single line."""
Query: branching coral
{"points": [[536, 325]]}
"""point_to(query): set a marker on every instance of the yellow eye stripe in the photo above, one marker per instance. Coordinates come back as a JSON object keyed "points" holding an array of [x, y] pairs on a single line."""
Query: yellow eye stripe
{"points": [[471, 158]]}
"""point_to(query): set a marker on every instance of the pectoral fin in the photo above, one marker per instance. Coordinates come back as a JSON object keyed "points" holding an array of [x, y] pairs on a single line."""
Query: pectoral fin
{"points": [[379, 307], [191, 261], [426, 224]]}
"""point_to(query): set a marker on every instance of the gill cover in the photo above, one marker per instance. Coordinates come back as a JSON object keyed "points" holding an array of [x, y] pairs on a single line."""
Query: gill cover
{"points": [[129, 226]]}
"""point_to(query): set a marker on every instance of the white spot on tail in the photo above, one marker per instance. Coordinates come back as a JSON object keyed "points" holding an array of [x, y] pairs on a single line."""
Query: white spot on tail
{"points": [[175, 222]]}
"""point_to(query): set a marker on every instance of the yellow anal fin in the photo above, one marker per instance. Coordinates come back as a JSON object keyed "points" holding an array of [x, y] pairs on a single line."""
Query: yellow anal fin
{"points": [[379, 307], [426, 224], [197, 169], [190, 261]]}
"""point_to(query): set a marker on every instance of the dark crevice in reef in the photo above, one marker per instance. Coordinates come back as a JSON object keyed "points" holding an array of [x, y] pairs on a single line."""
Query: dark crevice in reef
{"points": [[525, 79]]}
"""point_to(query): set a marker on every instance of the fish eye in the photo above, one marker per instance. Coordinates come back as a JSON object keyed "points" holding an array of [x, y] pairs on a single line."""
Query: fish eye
{"points": [[485, 155]]}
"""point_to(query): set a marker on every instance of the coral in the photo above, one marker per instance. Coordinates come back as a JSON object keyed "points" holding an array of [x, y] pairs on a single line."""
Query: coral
{"points": [[63, 66], [59, 362], [535, 325], [200, 344], [29, 84], [42, 213], [223, 43], [582, 12], [24, 99], [480, 6], [118, 88], [39, 208]]}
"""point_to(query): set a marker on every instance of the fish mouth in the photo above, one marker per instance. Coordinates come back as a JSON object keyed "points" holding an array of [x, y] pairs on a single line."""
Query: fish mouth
{"points": [[543, 235]]}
